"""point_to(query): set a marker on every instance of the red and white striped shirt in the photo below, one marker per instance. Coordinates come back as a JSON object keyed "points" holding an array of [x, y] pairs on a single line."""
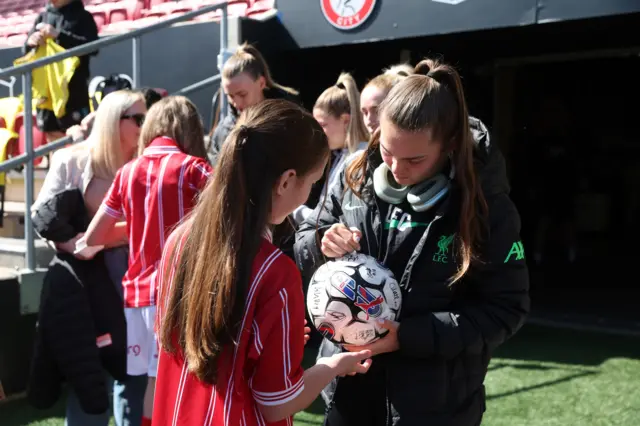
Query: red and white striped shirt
{"points": [[264, 367], [153, 193]]}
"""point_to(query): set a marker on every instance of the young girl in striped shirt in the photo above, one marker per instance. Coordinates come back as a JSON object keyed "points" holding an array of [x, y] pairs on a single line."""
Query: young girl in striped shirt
{"points": [[231, 309], [153, 193]]}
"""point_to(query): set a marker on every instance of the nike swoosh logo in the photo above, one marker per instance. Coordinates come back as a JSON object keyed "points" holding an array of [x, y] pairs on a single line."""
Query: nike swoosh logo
{"points": [[350, 207]]}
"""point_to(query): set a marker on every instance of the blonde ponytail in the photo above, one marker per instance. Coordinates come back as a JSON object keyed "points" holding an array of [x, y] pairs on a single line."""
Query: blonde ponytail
{"points": [[344, 98]]}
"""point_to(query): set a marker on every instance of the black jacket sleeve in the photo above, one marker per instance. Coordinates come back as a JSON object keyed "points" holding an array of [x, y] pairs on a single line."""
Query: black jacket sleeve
{"points": [[497, 302], [82, 31], [69, 331], [61, 217], [307, 242], [26, 48], [220, 134]]}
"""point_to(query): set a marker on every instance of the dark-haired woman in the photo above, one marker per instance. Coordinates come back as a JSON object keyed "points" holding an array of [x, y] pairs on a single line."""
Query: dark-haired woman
{"points": [[429, 199], [231, 306]]}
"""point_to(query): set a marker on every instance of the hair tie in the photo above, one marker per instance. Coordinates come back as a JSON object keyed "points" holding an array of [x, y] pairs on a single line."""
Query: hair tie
{"points": [[243, 134]]}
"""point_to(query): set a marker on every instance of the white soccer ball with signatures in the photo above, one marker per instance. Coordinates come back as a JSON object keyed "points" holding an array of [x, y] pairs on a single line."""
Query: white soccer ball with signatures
{"points": [[347, 296]]}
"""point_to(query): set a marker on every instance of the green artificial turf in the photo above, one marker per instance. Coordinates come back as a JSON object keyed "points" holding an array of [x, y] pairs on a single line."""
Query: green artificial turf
{"points": [[542, 377]]}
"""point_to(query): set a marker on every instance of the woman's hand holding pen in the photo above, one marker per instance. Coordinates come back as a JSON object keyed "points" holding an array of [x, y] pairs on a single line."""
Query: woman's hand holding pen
{"points": [[340, 240]]}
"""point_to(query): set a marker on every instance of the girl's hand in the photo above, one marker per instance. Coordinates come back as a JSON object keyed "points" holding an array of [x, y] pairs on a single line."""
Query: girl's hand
{"points": [[340, 240], [388, 343], [69, 246], [348, 363], [307, 330]]}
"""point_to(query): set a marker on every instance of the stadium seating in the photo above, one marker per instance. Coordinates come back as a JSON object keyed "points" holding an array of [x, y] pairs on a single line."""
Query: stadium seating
{"points": [[115, 16]]}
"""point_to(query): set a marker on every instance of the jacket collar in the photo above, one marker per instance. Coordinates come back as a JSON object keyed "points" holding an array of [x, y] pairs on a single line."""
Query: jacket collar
{"points": [[161, 145]]}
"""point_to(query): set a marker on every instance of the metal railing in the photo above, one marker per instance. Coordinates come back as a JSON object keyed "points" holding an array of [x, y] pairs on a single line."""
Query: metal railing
{"points": [[9, 85], [24, 70]]}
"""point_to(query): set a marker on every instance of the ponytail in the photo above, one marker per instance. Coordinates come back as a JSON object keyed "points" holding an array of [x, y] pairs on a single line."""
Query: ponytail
{"points": [[212, 263], [248, 59], [433, 100], [344, 98], [205, 303]]}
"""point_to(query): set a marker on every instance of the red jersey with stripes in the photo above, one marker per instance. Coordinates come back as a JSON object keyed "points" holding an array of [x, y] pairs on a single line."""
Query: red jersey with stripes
{"points": [[153, 193], [265, 367]]}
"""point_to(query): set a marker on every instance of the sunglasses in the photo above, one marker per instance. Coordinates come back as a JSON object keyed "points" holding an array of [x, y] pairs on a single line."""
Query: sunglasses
{"points": [[137, 118]]}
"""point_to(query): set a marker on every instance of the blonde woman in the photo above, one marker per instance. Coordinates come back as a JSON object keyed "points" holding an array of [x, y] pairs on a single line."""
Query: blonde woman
{"points": [[82, 331], [377, 89], [337, 110]]}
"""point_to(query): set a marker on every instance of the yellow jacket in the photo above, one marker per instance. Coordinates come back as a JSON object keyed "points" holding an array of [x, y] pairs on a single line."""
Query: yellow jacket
{"points": [[50, 83]]}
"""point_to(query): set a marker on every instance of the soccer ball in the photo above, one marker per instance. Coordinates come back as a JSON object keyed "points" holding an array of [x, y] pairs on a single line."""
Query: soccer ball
{"points": [[348, 295]]}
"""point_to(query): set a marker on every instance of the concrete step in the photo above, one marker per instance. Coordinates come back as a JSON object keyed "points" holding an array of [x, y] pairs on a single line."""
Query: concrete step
{"points": [[13, 220], [14, 187], [13, 253]]}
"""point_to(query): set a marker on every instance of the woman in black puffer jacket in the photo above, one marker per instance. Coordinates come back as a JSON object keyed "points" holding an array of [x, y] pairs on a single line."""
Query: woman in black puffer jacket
{"points": [[429, 198]]}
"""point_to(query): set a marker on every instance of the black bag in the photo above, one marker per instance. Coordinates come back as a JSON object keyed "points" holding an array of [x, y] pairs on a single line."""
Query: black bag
{"points": [[102, 86]]}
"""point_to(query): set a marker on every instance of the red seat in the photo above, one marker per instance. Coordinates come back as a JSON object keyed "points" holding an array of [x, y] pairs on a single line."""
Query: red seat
{"points": [[237, 8], [17, 123], [99, 15], [124, 10], [170, 8], [16, 39], [260, 8], [17, 146], [100, 20], [23, 28], [29, 19], [39, 139], [153, 3], [117, 27], [146, 21]]}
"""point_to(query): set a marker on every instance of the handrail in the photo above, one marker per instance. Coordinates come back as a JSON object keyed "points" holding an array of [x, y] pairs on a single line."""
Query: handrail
{"points": [[25, 71], [9, 85], [21, 159], [98, 44]]}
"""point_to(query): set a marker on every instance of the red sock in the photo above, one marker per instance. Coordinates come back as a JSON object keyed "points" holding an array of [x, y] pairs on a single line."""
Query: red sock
{"points": [[146, 421]]}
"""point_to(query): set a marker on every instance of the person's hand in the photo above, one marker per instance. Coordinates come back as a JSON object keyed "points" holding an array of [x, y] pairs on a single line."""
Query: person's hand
{"points": [[35, 39], [69, 246], [348, 363], [340, 240], [48, 31], [388, 343], [307, 330], [87, 122], [76, 132]]}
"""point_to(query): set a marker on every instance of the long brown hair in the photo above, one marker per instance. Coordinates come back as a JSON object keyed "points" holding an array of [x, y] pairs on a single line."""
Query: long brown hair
{"points": [[207, 292], [175, 117], [434, 100], [344, 98]]}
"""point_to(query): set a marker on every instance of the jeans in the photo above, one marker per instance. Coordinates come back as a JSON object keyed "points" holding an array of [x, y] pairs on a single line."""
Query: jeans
{"points": [[75, 415], [128, 396], [128, 400]]}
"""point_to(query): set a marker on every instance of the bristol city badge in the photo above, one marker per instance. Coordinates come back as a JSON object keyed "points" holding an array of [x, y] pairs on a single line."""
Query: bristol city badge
{"points": [[347, 14]]}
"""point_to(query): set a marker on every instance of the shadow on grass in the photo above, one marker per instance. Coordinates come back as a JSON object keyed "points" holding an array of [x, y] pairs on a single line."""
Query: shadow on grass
{"points": [[542, 385], [19, 413], [536, 343]]}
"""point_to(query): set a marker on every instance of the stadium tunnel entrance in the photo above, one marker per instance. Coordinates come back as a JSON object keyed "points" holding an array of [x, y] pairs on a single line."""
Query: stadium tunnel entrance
{"points": [[558, 99]]}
